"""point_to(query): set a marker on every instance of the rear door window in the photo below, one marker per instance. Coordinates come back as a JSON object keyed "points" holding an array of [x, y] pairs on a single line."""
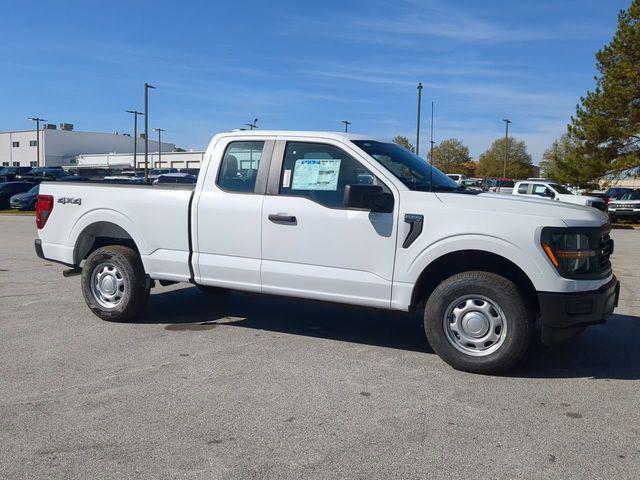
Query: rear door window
{"points": [[239, 166], [522, 189]]}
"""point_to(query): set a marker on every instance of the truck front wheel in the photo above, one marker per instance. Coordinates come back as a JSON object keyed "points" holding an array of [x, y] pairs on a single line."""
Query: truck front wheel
{"points": [[114, 284], [478, 322]]}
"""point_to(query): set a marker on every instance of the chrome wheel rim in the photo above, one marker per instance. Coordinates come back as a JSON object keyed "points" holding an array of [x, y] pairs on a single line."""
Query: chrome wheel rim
{"points": [[475, 325], [108, 286]]}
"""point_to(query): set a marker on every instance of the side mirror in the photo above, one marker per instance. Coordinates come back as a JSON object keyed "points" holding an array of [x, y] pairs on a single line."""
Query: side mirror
{"points": [[368, 197], [549, 193]]}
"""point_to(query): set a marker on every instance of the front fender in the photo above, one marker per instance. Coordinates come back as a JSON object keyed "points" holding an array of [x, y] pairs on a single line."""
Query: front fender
{"points": [[487, 243]]}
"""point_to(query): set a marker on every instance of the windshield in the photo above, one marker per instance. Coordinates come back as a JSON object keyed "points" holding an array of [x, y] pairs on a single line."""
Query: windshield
{"points": [[409, 168], [631, 196], [560, 189], [35, 189]]}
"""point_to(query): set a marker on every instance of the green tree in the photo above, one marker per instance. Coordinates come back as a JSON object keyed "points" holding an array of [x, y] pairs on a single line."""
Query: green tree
{"points": [[607, 123], [565, 162], [404, 142], [491, 162], [452, 156]]}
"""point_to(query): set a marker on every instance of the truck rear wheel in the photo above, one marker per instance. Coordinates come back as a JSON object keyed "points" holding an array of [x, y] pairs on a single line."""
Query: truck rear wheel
{"points": [[478, 322], [114, 284]]}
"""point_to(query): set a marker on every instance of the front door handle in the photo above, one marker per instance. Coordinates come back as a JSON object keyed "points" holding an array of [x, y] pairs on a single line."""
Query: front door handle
{"points": [[283, 218]]}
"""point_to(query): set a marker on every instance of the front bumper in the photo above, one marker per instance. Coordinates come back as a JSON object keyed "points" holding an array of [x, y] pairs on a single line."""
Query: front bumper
{"points": [[565, 315]]}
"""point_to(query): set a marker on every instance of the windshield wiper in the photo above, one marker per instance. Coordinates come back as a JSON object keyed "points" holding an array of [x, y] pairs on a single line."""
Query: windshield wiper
{"points": [[438, 188]]}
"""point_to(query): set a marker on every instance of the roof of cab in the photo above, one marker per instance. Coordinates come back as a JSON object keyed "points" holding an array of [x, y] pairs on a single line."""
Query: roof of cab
{"points": [[298, 133]]}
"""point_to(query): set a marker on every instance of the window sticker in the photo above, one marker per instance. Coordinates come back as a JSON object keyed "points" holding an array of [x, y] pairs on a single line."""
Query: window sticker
{"points": [[312, 174]]}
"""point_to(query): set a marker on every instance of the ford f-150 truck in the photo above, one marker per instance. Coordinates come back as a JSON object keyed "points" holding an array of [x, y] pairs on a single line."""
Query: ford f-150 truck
{"points": [[347, 219]]}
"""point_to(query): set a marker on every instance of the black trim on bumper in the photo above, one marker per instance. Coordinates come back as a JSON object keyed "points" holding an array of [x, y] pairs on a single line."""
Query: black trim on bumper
{"points": [[564, 315], [38, 245]]}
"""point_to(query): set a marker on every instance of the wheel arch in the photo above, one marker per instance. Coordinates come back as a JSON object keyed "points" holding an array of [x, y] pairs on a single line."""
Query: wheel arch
{"points": [[99, 234], [469, 260]]}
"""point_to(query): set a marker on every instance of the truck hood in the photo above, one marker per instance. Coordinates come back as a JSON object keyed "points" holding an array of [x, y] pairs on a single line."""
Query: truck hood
{"points": [[570, 214]]}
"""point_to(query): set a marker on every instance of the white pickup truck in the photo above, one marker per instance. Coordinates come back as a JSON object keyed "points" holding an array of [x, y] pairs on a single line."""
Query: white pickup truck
{"points": [[553, 191], [346, 219]]}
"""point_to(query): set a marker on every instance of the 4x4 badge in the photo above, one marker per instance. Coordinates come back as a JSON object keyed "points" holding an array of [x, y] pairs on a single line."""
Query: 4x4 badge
{"points": [[65, 200]]}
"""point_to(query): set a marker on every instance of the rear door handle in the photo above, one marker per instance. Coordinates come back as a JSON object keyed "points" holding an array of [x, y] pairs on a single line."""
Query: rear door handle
{"points": [[283, 218]]}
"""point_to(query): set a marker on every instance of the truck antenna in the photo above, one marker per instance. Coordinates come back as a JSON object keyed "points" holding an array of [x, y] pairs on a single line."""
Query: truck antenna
{"points": [[431, 153]]}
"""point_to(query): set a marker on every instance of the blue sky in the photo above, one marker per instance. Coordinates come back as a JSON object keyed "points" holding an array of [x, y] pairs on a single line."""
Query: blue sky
{"points": [[304, 65]]}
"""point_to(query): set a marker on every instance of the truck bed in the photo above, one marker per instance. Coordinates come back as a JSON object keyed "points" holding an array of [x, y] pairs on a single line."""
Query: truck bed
{"points": [[156, 217]]}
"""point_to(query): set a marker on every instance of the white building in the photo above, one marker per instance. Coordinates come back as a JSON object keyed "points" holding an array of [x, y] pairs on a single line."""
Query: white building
{"points": [[61, 146], [124, 161]]}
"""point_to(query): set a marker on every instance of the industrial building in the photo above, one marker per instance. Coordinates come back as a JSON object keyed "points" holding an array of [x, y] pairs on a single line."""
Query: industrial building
{"points": [[124, 161], [61, 145]]}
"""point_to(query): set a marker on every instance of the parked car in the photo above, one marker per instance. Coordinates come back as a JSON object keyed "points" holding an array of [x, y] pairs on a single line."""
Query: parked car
{"points": [[8, 174], [502, 185], [156, 172], [126, 176], [301, 224], [9, 189], [456, 177], [25, 200], [472, 184], [41, 174], [554, 191], [627, 207], [616, 193], [175, 178]]}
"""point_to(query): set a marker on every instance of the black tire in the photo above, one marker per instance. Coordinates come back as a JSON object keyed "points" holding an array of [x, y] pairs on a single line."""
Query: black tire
{"points": [[518, 321], [209, 290], [612, 218], [128, 268]]}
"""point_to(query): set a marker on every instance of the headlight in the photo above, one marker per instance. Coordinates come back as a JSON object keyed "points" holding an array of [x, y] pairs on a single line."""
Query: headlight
{"points": [[570, 253]]}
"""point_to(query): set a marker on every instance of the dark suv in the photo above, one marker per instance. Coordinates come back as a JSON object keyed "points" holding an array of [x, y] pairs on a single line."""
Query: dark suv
{"points": [[9, 189], [8, 174]]}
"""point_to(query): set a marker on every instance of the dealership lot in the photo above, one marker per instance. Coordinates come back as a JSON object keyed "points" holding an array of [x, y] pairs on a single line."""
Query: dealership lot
{"points": [[243, 386]]}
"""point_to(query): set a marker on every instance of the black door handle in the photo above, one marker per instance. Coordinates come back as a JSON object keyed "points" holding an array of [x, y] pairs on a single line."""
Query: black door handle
{"points": [[283, 218]]}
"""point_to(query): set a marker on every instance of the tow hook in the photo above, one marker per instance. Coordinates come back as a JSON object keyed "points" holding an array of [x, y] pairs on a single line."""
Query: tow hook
{"points": [[71, 272]]}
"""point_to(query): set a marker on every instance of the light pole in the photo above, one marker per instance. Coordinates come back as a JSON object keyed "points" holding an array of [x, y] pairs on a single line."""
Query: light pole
{"points": [[346, 125], [252, 125], [135, 137], [506, 145], [146, 130], [37, 120], [159, 130], [431, 153]]}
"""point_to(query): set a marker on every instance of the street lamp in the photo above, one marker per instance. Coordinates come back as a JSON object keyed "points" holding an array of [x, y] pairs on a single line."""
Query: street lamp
{"points": [[418, 121], [159, 130], [252, 125], [146, 130], [135, 136], [37, 120], [506, 145], [346, 125]]}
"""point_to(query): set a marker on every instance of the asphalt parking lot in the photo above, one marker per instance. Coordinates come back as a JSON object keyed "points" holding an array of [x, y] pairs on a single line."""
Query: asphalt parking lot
{"points": [[243, 386]]}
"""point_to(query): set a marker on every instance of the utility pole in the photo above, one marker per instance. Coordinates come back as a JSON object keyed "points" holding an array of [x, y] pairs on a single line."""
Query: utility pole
{"points": [[252, 125], [346, 125], [159, 130], [37, 120], [135, 137], [418, 122], [506, 145], [146, 130]]}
